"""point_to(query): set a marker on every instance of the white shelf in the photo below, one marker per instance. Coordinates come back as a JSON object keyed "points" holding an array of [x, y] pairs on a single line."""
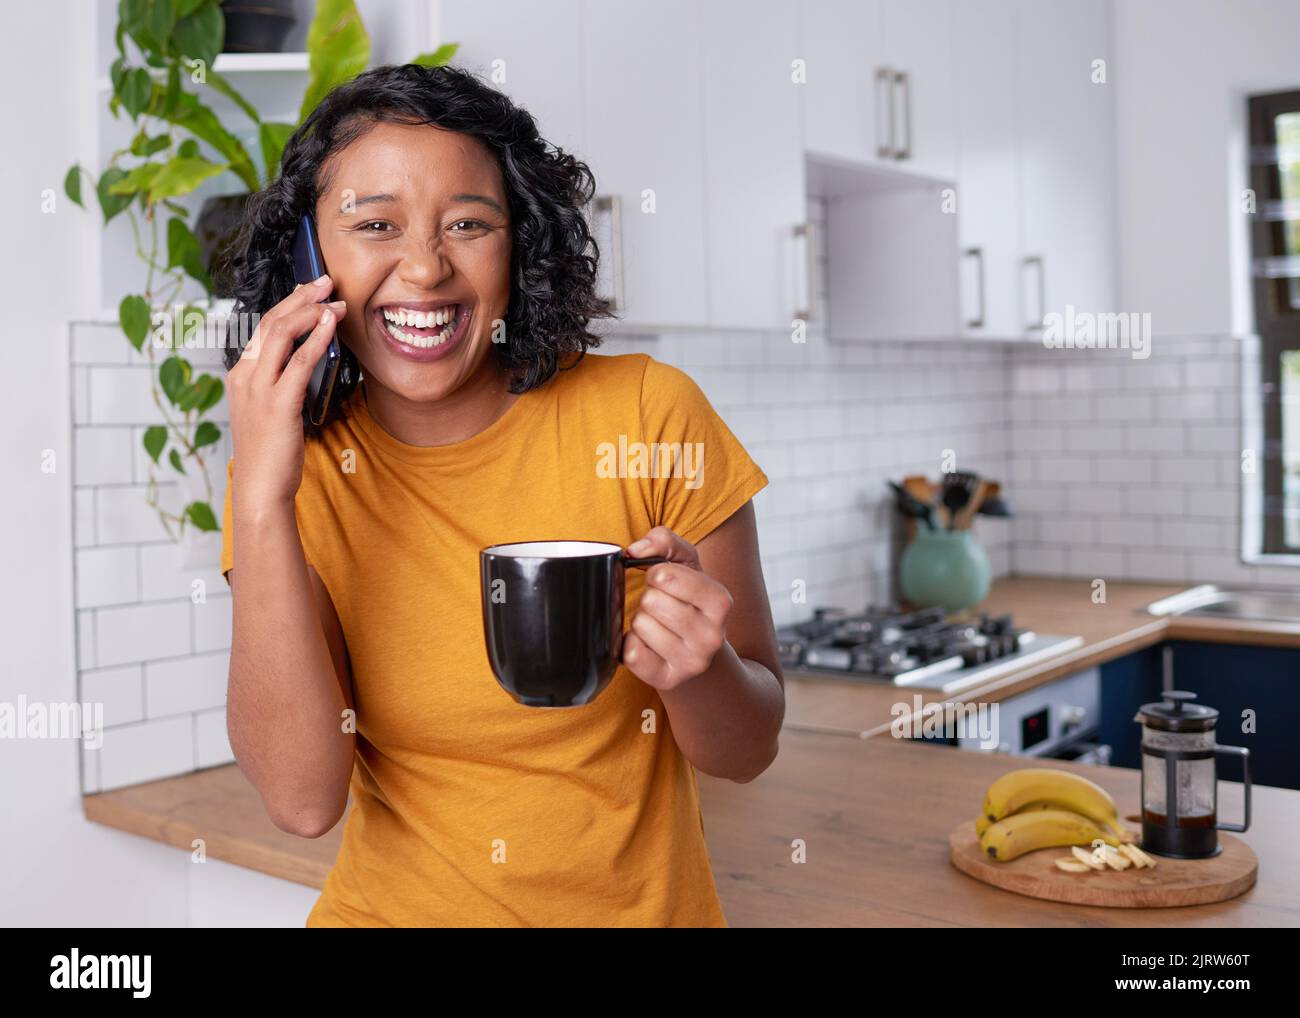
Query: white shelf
{"points": [[254, 63], [240, 63]]}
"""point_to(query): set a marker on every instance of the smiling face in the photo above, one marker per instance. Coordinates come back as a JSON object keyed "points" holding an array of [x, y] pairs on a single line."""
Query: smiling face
{"points": [[415, 232]]}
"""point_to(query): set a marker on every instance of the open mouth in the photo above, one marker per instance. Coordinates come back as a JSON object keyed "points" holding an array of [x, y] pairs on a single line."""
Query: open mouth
{"points": [[424, 329]]}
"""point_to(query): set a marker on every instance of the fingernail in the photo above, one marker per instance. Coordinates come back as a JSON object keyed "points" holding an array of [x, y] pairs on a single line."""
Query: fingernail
{"points": [[639, 546], [323, 280], [337, 303], [327, 316]]}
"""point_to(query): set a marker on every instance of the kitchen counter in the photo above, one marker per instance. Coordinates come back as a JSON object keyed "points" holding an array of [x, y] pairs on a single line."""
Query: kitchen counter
{"points": [[1064, 607], [874, 816]]}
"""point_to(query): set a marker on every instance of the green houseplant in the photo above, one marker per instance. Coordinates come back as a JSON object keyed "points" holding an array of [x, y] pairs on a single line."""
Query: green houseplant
{"points": [[164, 80]]}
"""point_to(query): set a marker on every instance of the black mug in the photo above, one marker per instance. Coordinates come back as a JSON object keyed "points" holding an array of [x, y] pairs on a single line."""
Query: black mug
{"points": [[553, 617]]}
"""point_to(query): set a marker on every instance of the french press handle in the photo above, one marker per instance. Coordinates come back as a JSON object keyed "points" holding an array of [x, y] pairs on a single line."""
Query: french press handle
{"points": [[1244, 753]]}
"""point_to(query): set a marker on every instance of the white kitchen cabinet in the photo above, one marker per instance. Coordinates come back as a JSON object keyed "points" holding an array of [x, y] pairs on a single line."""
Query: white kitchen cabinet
{"points": [[530, 51], [1066, 153], [842, 101], [988, 192], [644, 131], [754, 185], [917, 38]]}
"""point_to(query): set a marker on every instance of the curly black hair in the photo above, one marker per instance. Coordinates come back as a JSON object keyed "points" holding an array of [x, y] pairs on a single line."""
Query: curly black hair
{"points": [[554, 261]]}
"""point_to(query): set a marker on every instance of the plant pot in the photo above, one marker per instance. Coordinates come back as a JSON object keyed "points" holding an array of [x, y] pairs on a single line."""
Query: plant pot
{"points": [[945, 568], [257, 26], [218, 222]]}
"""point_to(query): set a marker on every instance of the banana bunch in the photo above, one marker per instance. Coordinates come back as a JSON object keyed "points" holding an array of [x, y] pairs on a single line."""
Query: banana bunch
{"points": [[1038, 807]]}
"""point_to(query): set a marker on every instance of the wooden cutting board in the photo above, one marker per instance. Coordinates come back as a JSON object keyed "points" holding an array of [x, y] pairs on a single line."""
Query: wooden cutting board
{"points": [[1171, 883]]}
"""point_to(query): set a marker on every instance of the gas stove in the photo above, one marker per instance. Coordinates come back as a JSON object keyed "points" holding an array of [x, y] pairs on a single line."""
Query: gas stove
{"points": [[923, 649]]}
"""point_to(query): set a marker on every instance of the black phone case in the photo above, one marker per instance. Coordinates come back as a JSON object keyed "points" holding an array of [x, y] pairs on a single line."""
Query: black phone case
{"points": [[308, 266]]}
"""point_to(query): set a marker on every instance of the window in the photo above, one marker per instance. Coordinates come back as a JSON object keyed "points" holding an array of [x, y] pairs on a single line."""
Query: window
{"points": [[1275, 249]]}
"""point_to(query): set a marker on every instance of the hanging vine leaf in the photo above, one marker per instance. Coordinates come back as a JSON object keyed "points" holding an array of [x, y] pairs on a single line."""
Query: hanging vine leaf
{"points": [[72, 185], [136, 88], [209, 391], [133, 315], [136, 180], [111, 204], [174, 376], [183, 251], [143, 145], [155, 440], [175, 459], [206, 434], [201, 514]]}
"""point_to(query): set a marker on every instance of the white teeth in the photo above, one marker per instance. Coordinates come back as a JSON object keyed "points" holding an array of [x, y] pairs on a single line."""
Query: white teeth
{"points": [[421, 320]]}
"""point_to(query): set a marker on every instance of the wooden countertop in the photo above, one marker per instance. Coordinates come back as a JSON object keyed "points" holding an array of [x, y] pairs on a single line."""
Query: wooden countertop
{"points": [[874, 815], [1062, 607]]}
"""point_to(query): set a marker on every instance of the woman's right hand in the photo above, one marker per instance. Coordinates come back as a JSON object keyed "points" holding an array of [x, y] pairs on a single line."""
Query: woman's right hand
{"points": [[266, 394]]}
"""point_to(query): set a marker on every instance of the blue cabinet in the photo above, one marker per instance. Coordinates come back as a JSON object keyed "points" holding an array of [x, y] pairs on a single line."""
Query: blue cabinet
{"points": [[1260, 682]]}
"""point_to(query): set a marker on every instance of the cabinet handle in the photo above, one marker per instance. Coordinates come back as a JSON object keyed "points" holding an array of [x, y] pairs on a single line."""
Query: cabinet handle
{"points": [[978, 254], [809, 236], [901, 78], [1031, 261], [613, 205], [885, 87]]}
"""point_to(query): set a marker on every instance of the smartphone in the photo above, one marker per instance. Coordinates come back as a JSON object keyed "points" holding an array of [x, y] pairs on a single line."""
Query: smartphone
{"points": [[338, 361]]}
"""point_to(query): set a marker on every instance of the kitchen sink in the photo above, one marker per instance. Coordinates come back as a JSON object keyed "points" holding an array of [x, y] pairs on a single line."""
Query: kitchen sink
{"points": [[1250, 605]]}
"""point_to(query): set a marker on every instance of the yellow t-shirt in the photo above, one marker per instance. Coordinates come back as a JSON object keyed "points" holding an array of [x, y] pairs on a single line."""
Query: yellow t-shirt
{"points": [[469, 809]]}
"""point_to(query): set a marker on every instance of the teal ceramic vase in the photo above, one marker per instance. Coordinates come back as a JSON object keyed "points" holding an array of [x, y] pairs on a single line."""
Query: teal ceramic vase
{"points": [[945, 568]]}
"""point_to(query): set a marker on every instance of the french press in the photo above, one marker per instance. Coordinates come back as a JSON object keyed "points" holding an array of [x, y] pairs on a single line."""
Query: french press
{"points": [[1179, 784]]}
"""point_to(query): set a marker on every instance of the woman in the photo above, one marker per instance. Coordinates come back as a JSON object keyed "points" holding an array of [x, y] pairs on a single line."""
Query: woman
{"points": [[461, 277]]}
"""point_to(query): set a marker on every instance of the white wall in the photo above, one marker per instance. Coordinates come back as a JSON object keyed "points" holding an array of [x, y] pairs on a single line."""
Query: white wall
{"points": [[1183, 70], [55, 868]]}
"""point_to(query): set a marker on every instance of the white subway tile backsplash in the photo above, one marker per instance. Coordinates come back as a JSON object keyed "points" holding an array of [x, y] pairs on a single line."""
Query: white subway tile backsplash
{"points": [[100, 343], [102, 456], [123, 515], [211, 744], [163, 575], [1214, 438], [147, 751], [106, 576], [83, 513], [122, 396], [142, 632], [1094, 562], [80, 395], [1095, 438], [185, 685], [1187, 469], [1134, 406], [86, 657], [1158, 565], [118, 689], [1128, 531], [213, 621], [1155, 438]]}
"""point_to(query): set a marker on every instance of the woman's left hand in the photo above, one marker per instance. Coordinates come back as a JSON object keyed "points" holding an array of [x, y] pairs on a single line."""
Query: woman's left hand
{"points": [[681, 621]]}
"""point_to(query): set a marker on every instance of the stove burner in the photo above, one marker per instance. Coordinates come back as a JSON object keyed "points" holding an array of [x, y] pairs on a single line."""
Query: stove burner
{"points": [[889, 643]]}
